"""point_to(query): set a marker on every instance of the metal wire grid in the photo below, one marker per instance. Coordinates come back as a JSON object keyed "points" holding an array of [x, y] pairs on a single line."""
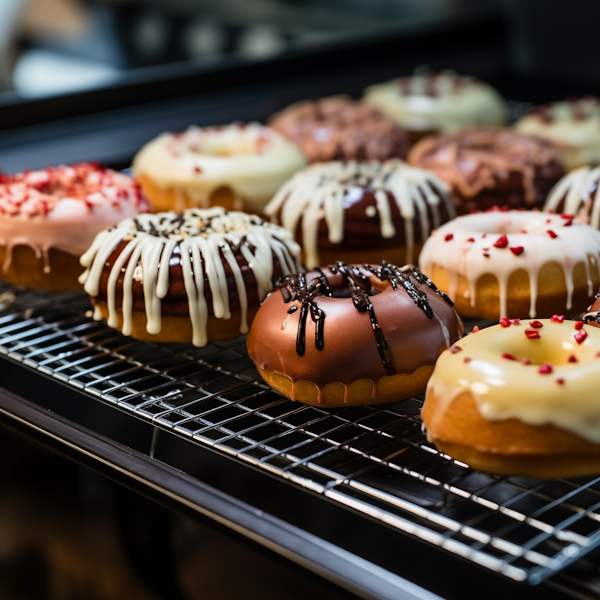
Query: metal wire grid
{"points": [[373, 459]]}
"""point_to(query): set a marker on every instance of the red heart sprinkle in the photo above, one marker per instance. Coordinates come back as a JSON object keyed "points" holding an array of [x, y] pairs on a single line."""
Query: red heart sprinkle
{"points": [[526, 361], [552, 234], [516, 250], [567, 216], [557, 318], [475, 329], [501, 242], [508, 356], [486, 254], [545, 369], [504, 322], [573, 358], [579, 324], [483, 235], [467, 359], [471, 240], [532, 335], [536, 324], [548, 221], [580, 336], [449, 236], [455, 349], [560, 381], [515, 321]]}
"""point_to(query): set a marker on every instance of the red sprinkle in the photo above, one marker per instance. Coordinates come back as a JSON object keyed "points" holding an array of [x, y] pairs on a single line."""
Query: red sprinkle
{"points": [[567, 216], [471, 240], [531, 334], [515, 321], [560, 381], [548, 221], [449, 236], [508, 356], [536, 324], [505, 322], [573, 358], [455, 349], [557, 318], [484, 235], [197, 170], [580, 336], [467, 359], [579, 325], [546, 369], [526, 361], [501, 242], [516, 250], [486, 254], [475, 329], [552, 234]]}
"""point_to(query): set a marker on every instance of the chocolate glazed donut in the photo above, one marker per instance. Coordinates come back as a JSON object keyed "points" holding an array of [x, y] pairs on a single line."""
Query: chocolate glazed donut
{"points": [[349, 335]]}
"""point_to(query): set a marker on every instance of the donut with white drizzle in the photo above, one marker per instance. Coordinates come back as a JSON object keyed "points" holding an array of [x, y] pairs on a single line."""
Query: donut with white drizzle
{"points": [[48, 218], [239, 166], [514, 263], [192, 277], [352, 334], [572, 125], [361, 211]]}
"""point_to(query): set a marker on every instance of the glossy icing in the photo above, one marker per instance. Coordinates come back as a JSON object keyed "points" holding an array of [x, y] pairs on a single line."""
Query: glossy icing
{"points": [[325, 191], [252, 160], [63, 208], [471, 246], [211, 238], [550, 379]]}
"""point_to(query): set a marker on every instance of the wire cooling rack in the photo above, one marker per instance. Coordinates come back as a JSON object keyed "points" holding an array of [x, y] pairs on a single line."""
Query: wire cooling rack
{"points": [[375, 460]]}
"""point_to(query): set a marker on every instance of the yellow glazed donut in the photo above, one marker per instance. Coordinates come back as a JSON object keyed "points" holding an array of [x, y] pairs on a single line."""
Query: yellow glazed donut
{"points": [[520, 399], [514, 263]]}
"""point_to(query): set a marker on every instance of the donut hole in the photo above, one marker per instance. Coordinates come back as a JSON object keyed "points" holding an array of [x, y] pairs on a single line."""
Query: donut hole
{"points": [[536, 353]]}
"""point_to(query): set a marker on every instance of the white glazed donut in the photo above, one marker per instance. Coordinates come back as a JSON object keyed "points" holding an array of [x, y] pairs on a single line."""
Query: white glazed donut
{"points": [[514, 263], [572, 125], [431, 102], [238, 165]]}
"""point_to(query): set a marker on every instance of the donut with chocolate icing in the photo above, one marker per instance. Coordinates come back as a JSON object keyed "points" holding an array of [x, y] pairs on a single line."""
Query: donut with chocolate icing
{"points": [[572, 125], [519, 399], [488, 167], [429, 102], [514, 263], [193, 277], [348, 335], [339, 128], [361, 211], [238, 166], [49, 218]]}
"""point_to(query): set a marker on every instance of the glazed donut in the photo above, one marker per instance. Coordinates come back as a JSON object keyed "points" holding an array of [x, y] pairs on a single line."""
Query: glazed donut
{"points": [[510, 264], [577, 194], [238, 166], [339, 128], [571, 125], [192, 277], [373, 334], [49, 218], [430, 102], [519, 399], [488, 167], [359, 211]]}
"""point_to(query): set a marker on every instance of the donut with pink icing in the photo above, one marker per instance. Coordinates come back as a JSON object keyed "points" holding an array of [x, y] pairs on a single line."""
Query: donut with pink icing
{"points": [[48, 218], [511, 264]]}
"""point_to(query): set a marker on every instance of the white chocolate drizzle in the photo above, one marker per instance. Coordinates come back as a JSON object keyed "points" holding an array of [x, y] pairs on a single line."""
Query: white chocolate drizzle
{"points": [[465, 248], [321, 190], [564, 393], [579, 191], [205, 237]]}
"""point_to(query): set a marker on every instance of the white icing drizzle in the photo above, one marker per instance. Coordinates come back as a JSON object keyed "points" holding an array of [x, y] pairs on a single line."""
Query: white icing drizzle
{"points": [[579, 190], [567, 396], [321, 190], [574, 243], [251, 160], [442, 101], [205, 238], [572, 125]]}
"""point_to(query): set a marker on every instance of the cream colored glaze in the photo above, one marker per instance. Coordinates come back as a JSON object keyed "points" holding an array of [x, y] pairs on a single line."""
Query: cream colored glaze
{"points": [[42, 221], [505, 389], [574, 244], [318, 192], [202, 237], [579, 189], [442, 101], [573, 126], [252, 160]]}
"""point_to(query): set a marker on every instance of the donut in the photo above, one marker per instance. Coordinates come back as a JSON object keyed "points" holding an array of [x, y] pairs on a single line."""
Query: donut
{"points": [[488, 167], [373, 334], [192, 277], [48, 218], [361, 211], [519, 399], [515, 263], [577, 194], [572, 125], [429, 102], [239, 166], [339, 128]]}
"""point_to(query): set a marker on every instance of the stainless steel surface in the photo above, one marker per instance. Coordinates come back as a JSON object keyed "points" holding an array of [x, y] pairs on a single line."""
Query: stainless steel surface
{"points": [[374, 460]]}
